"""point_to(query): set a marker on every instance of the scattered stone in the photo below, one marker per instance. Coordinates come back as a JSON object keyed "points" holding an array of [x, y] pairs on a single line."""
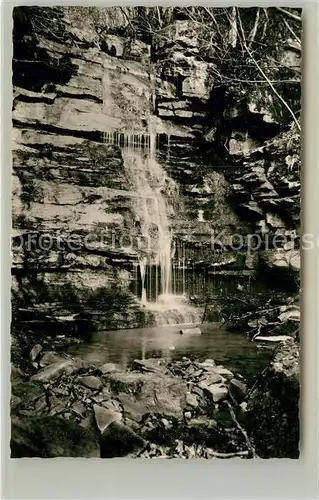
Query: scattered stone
{"points": [[41, 404], [133, 409], [197, 374], [166, 423], [187, 415], [276, 433], [164, 394], [54, 371], [208, 363], [191, 400], [112, 405], [57, 405], [147, 365], [124, 381], [291, 314], [189, 451], [237, 390], [78, 408], [209, 380], [87, 422], [102, 396], [110, 368], [49, 358], [243, 406], [189, 371], [217, 392], [224, 372], [90, 382], [35, 351], [198, 391], [104, 417]]}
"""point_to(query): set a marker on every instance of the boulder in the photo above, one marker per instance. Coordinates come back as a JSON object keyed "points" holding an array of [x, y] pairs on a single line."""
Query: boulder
{"points": [[217, 392], [50, 357], [90, 382], [134, 410], [104, 417], [191, 400], [165, 395], [289, 313], [109, 368], [209, 379], [35, 351], [272, 414], [148, 365], [119, 440], [224, 372], [78, 408], [127, 382], [208, 364], [54, 371], [49, 437], [237, 390], [285, 260], [103, 395]]}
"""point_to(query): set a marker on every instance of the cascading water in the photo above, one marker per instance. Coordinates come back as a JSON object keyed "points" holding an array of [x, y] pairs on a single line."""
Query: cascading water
{"points": [[148, 181], [153, 188]]}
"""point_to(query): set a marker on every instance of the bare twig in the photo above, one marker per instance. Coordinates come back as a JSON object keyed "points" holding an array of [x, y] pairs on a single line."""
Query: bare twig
{"points": [[233, 28], [289, 14], [266, 77], [265, 24], [160, 22], [254, 30], [292, 32], [242, 430]]}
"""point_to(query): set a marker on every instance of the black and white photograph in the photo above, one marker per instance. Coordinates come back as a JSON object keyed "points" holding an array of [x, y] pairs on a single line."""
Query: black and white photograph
{"points": [[156, 241]]}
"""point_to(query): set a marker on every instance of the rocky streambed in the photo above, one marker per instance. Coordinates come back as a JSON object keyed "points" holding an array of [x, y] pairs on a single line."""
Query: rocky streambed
{"points": [[156, 408]]}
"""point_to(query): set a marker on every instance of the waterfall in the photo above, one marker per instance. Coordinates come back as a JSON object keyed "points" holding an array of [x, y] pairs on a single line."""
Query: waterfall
{"points": [[149, 180], [152, 190]]}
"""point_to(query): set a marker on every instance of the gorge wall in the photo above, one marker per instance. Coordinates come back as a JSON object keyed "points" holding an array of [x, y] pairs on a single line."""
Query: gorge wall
{"points": [[224, 165]]}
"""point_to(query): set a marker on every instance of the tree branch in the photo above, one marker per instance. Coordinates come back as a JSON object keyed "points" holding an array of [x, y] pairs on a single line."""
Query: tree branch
{"points": [[266, 77], [289, 14], [254, 30], [293, 33], [242, 430]]}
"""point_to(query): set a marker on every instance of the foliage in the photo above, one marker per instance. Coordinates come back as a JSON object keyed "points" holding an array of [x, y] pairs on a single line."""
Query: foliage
{"points": [[247, 45]]}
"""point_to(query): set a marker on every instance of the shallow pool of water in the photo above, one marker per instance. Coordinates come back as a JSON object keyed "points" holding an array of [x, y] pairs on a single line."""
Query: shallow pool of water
{"points": [[234, 351]]}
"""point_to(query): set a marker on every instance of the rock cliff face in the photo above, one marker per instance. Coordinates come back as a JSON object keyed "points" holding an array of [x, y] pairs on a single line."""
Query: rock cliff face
{"points": [[274, 406], [236, 168]]}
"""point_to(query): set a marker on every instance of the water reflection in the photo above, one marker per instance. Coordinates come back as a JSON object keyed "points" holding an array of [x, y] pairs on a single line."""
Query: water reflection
{"points": [[234, 351]]}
